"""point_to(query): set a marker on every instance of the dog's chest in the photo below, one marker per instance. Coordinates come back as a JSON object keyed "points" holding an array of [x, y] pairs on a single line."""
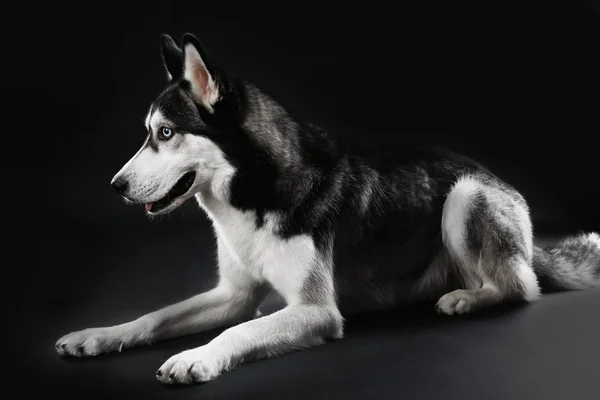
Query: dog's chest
{"points": [[284, 263]]}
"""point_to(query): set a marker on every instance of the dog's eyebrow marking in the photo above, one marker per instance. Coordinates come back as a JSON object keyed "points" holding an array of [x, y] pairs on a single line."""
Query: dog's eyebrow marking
{"points": [[147, 121], [156, 120], [152, 113], [148, 116]]}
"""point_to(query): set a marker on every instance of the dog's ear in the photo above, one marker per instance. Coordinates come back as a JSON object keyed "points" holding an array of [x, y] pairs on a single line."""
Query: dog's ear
{"points": [[200, 72], [172, 57]]}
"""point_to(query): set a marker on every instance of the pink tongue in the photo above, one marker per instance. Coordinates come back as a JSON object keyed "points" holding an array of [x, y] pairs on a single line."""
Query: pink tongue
{"points": [[148, 206]]}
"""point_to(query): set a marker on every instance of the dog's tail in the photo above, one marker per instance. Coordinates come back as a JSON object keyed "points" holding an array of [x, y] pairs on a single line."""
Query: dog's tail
{"points": [[571, 264]]}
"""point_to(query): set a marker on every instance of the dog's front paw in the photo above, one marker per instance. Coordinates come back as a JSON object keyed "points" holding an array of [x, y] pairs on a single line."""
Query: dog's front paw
{"points": [[89, 342], [191, 366]]}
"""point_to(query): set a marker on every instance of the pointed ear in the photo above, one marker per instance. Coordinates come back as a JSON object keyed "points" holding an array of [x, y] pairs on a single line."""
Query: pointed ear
{"points": [[172, 57], [199, 71]]}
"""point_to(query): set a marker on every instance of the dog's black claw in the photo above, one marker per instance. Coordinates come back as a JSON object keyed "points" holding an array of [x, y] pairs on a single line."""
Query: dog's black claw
{"points": [[159, 373], [80, 350]]}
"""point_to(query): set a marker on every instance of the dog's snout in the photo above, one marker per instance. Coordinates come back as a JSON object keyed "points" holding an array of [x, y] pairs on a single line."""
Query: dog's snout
{"points": [[120, 185]]}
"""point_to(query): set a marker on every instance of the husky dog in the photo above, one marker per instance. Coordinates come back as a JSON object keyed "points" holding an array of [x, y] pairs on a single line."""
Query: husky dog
{"points": [[332, 231]]}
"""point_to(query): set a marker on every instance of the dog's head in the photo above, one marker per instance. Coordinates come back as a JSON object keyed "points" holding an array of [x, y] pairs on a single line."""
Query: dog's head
{"points": [[183, 152]]}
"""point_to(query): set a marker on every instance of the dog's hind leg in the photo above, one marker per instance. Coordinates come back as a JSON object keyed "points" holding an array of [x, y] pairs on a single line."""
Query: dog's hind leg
{"points": [[487, 231], [234, 300]]}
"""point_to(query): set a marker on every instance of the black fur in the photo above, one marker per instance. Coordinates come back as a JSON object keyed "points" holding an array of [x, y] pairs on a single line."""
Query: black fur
{"points": [[172, 56]]}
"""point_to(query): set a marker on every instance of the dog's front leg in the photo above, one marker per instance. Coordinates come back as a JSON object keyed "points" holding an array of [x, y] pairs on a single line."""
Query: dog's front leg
{"points": [[295, 327], [209, 310], [310, 318], [234, 300]]}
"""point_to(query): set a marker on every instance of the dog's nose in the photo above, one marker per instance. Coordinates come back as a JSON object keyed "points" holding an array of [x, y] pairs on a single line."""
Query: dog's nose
{"points": [[120, 185]]}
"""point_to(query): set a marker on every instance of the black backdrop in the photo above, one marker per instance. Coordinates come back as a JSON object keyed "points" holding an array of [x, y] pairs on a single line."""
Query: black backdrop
{"points": [[510, 90], [508, 87]]}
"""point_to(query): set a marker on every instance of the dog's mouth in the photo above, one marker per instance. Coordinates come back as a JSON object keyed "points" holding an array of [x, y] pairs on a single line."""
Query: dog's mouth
{"points": [[179, 189]]}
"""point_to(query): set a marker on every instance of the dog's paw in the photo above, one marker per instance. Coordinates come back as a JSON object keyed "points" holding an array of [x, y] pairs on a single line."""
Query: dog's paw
{"points": [[456, 302], [89, 342], [191, 366]]}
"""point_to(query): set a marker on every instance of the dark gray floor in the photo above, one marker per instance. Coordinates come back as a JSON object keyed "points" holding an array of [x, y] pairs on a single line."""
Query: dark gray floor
{"points": [[549, 350]]}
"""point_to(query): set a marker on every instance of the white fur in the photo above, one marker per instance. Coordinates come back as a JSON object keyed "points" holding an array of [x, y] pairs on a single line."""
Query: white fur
{"points": [[525, 273], [147, 119], [456, 212], [594, 238], [156, 120]]}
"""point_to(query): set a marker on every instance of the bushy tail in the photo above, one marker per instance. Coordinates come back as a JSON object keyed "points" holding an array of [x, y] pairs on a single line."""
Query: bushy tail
{"points": [[571, 264]]}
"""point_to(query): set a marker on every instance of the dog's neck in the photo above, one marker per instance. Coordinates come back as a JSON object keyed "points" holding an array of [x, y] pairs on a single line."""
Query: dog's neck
{"points": [[288, 164], [290, 143]]}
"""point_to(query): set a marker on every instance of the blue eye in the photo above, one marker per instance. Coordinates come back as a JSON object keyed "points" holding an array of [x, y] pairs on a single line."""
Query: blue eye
{"points": [[166, 132]]}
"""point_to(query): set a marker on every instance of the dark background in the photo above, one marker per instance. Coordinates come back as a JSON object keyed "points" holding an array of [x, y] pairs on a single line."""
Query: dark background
{"points": [[512, 88]]}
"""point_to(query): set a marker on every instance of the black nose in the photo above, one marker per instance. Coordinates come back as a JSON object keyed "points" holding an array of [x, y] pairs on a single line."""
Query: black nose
{"points": [[120, 185]]}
